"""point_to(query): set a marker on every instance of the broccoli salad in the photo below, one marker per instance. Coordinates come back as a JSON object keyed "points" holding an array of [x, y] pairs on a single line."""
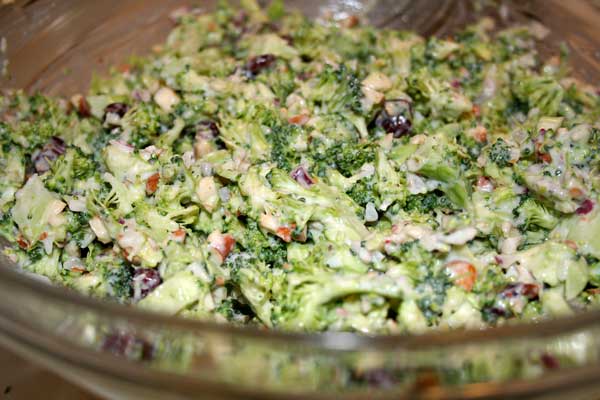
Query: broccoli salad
{"points": [[262, 168]]}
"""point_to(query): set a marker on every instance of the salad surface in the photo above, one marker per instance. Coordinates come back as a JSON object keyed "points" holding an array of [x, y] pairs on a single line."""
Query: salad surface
{"points": [[262, 168]]}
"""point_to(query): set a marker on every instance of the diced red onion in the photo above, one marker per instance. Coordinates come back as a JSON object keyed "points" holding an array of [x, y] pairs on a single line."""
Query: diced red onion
{"points": [[50, 152], [145, 280], [300, 175]]}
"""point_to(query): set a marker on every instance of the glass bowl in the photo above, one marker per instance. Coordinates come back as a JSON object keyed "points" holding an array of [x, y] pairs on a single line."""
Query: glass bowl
{"points": [[119, 352]]}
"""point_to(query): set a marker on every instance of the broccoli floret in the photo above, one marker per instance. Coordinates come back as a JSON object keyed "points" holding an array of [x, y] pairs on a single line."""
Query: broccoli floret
{"points": [[531, 212], [428, 202], [256, 281], [268, 249], [542, 92], [363, 192], [415, 256], [432, 289], [500, 153], [347, 157], [35, 207], [119, 281], [78, 228], [142, 123], [71, 166], [42, 119], [436, 97], [301, 305], [439, 159], [7, 227], [281, 81], [282, 152], [36, 252], [336, 90]]}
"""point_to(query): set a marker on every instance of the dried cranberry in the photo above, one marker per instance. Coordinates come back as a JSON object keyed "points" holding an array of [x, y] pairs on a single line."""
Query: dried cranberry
{"points": [[128, 345], [145, 280], [288, 39], [549, 361], [82, 107], [379, 377], [51, 151], [395, 117], [397, 125], [207, 129], [256, 64], [119, 109], [529, 290], [499, 311], [300, 175], [585, 208], [304, 76], [240, 19]]}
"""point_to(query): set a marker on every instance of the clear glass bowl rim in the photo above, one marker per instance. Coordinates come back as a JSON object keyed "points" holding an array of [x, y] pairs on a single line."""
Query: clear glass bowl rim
{"points": [[326, 340]]}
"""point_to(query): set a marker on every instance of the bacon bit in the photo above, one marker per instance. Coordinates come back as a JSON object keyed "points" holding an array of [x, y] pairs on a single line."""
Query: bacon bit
{"points": [[302, 236], [485, 184], [221, 243], [350, 22], [299, 119], [480, 134], [43, 236], [286, 266], [426, 380], [81, 105], [124, 68], [528, 290], [549, 361], [300, 175], [78, 269], [285, 233], [178, 235], [220, 281], [152, 183], [571, 244], [545, 157], [476, 110], [594, 291], [22, 242], [463, 273], [576, 192], [211, 26], [585, 208], [304, 76]]}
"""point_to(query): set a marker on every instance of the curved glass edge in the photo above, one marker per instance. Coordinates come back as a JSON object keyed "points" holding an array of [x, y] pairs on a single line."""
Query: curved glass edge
{"points": [[184, 355], [339, 341]]}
